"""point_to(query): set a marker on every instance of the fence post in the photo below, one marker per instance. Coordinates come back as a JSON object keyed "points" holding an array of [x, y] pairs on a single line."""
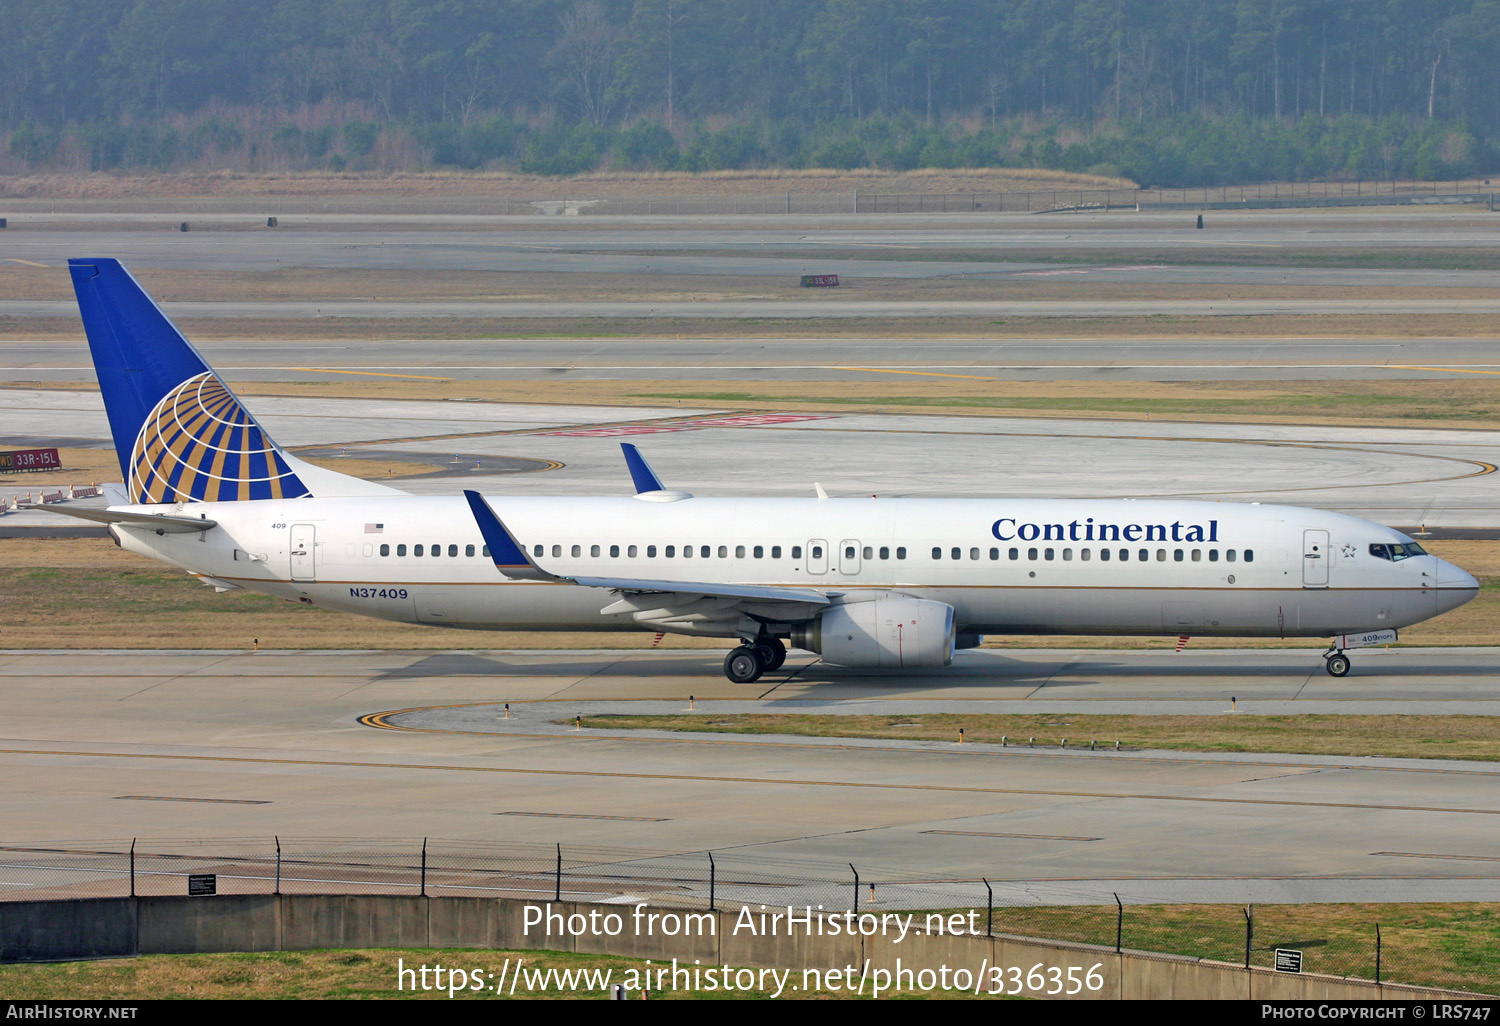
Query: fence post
{"points": [[712, 880], [557, 880], [989, 919], [1119, 923], [856, 887], [132, 867], [1377, 953], [424, 867], [278, 866], [1249, 932]]}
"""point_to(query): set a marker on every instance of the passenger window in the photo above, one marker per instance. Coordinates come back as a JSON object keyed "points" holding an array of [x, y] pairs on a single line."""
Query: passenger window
{"points": [[650, 551], [885, 553], [817, 552], [739, 552], [937, 553], [1143, 554], [614, 552], [416, 550], [1161, 555], [848, 551], [1068, 554], [869, 552], [796, 552], [705, 550], [1084, 555], [385, 550], [1177, 555], [958, 553], [687, 552], [453, 550], [670, 551], [1031, 553], [437, 550], [1104, 555], [468, 550], [994, 554], [401, 550], [577, 550], [973, 553], [1213, 555], [1015, 553], [1197, 555], [1249, 555], [485, 552], [775, 551], [901, 553], [630, 552], [557, 550], [1229, 556], [1051, 553], [758, 552], [536, 550]]}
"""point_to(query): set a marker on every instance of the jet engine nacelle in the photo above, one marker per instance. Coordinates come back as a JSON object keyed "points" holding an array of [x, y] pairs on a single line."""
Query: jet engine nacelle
{"points": [[885, 632]]}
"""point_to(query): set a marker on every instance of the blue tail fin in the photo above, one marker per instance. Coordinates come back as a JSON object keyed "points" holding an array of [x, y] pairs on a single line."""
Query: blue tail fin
{"points": [[181, 435]]}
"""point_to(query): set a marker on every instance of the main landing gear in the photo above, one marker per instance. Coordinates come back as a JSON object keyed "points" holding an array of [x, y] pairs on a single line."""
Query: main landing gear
{"points": [[1337, 664], [745, 664]]}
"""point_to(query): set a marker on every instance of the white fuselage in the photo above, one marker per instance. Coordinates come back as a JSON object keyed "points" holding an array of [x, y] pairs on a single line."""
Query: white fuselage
{"points": [[1006, 566]]}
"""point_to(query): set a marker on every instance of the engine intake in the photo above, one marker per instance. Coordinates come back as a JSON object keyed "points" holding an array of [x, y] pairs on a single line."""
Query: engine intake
{"points": [[885, 632]]}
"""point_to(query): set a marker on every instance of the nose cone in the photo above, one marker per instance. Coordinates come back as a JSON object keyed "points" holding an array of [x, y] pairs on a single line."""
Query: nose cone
{"points": [[1455, 585]]}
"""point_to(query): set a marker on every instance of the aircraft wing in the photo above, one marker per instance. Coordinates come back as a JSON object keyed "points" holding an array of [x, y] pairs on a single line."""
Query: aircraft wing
{"points": [[667, 599], [160, 523]]}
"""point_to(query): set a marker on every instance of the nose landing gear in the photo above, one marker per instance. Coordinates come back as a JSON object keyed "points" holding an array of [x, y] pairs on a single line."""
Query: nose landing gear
{"points": [[1336, 663]]}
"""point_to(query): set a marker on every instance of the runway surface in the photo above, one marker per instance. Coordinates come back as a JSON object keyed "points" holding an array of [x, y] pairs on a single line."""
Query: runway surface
{"points": [[800, 309], [1412, 477], [283, 729]]}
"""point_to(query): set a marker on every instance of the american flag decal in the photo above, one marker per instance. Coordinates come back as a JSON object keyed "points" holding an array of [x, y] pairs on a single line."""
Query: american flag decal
{"points": [[374, 528]]}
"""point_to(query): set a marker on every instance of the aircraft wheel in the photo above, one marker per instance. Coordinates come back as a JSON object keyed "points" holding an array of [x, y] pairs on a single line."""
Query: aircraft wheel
{"points": [[743, 665], [772, 654], [1338, 665]]}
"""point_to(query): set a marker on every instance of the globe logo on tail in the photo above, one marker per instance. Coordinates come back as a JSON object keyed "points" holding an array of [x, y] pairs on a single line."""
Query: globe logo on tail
{"points": [[200, 445]]}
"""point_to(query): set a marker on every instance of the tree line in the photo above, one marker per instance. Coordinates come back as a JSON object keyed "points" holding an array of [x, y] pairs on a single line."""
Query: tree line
{"points": [[1165, 91]]}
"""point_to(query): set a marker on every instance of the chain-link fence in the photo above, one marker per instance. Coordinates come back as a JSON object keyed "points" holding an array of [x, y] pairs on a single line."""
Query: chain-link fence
{"points": [[1439, 945]]}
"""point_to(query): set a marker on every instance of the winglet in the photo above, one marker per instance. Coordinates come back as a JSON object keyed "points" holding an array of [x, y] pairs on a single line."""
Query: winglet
{"points": [[510, 559], [640, 471]]}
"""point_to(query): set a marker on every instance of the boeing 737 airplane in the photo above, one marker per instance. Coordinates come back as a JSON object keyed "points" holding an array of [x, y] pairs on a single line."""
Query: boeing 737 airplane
{"points": [[861, 582]]}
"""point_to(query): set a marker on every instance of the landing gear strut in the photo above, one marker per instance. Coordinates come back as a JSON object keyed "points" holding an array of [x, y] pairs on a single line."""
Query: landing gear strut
{"points": [[1337, 664]]}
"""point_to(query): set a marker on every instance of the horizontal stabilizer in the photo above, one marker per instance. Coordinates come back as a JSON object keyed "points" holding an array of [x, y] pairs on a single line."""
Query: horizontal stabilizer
{"points": [[164, 524]]}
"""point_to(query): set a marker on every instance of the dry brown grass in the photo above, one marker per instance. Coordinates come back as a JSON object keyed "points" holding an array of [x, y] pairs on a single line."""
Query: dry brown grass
{"points": [[91, 466], [1413, 737], [495, 184]]}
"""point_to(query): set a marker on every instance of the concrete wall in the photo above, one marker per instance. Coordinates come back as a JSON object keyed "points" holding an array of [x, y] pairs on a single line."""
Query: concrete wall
{"points": [[102, 927]]}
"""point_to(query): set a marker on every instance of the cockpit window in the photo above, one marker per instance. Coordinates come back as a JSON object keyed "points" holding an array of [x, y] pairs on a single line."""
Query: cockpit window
{"points": [[1396, 551]]}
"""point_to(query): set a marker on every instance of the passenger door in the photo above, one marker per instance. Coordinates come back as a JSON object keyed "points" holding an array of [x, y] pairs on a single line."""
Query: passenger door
{"points": [[304, 551], [1315, 559]]}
